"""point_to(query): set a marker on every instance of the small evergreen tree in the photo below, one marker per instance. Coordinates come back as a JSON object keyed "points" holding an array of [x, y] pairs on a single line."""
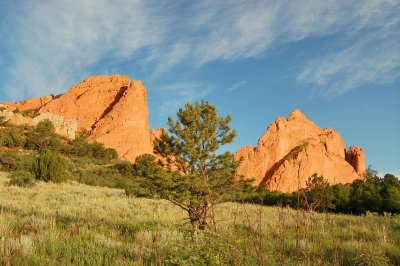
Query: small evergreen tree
{"points": [[318, 194], [199, 178], [50, 167]]}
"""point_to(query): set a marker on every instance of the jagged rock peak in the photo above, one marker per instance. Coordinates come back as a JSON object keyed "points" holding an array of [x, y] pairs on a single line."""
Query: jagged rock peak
{"points": [[296, 114], [293, 149], [355, 157]]}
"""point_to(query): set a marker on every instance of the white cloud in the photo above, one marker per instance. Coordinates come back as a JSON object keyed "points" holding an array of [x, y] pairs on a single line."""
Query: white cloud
{"points": [[56, 43], [373, 59]]}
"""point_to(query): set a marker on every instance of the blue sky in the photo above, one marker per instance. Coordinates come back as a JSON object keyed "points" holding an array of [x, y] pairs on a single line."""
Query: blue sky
{"points": [[337, 61]]}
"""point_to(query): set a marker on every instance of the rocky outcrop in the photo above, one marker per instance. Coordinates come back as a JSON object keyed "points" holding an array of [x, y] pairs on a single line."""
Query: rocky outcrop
{"points": [[64, 127], [355, 157], [29, 104], [293, 149], [112, 109]]}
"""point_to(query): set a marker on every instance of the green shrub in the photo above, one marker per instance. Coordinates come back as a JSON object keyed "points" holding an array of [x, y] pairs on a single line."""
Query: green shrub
{"points": [[15, 161], [16, 111], [50, 167], [21, 179], [103, 176], [124, 168], [43, 137], [12, 136], [137, 190], [81, 148]]}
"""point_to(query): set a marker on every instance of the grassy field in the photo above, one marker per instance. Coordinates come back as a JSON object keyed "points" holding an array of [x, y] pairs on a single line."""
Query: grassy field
{"points": [[75, 224]]}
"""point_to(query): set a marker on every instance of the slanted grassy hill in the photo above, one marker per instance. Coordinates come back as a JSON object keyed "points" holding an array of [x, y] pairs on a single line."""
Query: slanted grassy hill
{"points": [[77, 224]]}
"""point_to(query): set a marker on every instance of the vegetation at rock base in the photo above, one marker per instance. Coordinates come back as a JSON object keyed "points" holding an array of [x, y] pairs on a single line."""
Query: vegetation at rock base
{"points": [[373, 194], [113, 221], [76, 224]]}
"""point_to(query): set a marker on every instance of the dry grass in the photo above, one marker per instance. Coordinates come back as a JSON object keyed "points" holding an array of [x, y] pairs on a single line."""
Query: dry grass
{"points": [[75, 224]]}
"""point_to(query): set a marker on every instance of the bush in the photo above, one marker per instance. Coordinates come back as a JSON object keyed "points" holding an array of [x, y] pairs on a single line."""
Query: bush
{"points": [[137, 190], [14, 161], [21, 179], [43, 137], [104, 177], [50, 167], [12, 137], [81, 148]]}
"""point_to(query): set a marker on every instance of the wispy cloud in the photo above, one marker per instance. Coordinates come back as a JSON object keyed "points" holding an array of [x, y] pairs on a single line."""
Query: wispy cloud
{"points": [[373, 59], [55, 43], [181, 93], [237, 85]]}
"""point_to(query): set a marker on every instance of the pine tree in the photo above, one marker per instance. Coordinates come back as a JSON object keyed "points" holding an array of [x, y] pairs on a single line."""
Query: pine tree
{"points": [[198, 177]]}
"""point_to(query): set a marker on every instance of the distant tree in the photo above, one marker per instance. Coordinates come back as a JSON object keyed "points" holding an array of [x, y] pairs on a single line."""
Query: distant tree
{"points": [[317, 194], [366, 196], [199, 178], [342, 197], [390, 193], [50, 167]]}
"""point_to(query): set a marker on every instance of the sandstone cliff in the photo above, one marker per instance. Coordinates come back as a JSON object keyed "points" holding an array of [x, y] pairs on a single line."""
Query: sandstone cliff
{"points": [[111, 108], [293, 149], [64, 127]]}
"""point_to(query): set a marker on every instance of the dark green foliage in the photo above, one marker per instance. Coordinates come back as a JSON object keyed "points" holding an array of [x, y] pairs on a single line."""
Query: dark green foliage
{"points": [[201, 178], [43, 137], [15, 161], [390, 192], [269, 198], [80, 147], [342, 198], [124, 168], [374, 194], [50, 167], [21, 179], [150, 178], [16, 111], [317, 195], [103, 176], [12, 137]]}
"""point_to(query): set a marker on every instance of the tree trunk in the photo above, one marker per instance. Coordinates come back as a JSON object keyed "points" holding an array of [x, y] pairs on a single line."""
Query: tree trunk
{"points": [[198, 216]]}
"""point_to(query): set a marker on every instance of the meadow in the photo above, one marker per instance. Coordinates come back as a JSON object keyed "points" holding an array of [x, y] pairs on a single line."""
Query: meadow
{"points": [[76, 224]]}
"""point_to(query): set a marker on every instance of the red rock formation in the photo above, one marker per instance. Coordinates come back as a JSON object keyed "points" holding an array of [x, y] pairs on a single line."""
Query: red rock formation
{"points": [[355, 157], [293, 149], [30, 104], [112, 108]]}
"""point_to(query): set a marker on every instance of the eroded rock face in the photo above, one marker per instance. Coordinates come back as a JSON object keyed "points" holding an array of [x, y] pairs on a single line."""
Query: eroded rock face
{"points": [[293, 149], [29, 104], [64, 127], [355, 157], [112, 109]]}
